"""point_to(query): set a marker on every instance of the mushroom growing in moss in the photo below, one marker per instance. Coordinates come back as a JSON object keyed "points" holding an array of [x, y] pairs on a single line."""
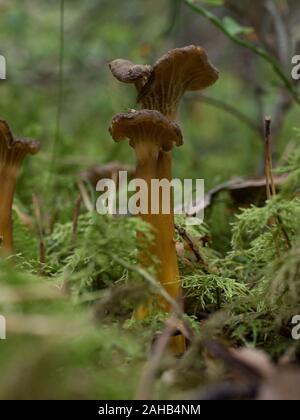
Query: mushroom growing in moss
{"points": [[160, 88], [150, 133], [12, 152]]}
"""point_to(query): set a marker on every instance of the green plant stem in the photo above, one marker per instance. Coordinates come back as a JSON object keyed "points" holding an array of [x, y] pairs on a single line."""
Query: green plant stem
{"points": [[245, 44]]}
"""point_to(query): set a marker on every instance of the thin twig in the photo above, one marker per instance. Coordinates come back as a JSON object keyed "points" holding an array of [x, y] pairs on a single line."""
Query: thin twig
{"points": [[76, 218], [270, 183], [193, 247], [270, 186], [25, 219], [85, 197], [39, 222]]}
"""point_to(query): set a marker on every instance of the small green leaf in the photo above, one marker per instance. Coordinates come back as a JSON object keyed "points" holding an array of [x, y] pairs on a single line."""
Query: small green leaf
{"points": [[214, 2], [234, 28]]}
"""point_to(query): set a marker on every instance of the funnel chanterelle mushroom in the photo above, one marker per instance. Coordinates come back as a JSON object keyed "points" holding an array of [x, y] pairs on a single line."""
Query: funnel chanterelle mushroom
{"points": [[12, 153], [161, 86], [150, 133]]}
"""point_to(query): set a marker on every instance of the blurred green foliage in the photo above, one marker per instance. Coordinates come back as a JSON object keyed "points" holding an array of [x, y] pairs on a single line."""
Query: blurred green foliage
{"points": [[217, 146]]}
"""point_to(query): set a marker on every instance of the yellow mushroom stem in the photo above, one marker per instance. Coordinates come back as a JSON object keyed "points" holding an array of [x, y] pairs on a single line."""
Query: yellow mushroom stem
{"points": [[147, 155], [153, 136], [153, 163], [7, 189], [169, 274], [170, 277]]}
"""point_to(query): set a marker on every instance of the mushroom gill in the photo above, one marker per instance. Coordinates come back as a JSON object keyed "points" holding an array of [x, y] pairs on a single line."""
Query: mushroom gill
{"points": [[12, 152]]}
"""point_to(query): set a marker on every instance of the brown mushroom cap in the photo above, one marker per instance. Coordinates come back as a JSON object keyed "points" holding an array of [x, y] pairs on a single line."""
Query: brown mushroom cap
{"points": [[180, 70], [128, 72], [13, 150], [188, 66], [147, 125]]}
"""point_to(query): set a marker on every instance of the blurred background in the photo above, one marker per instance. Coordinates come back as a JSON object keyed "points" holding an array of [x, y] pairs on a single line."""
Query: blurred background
{"points": [[222, 126]]}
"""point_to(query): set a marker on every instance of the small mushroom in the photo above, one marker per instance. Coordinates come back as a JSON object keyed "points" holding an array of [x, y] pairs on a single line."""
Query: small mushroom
{"points": [[161, 86], [150, 134], [12, 153], [107, 171]]}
